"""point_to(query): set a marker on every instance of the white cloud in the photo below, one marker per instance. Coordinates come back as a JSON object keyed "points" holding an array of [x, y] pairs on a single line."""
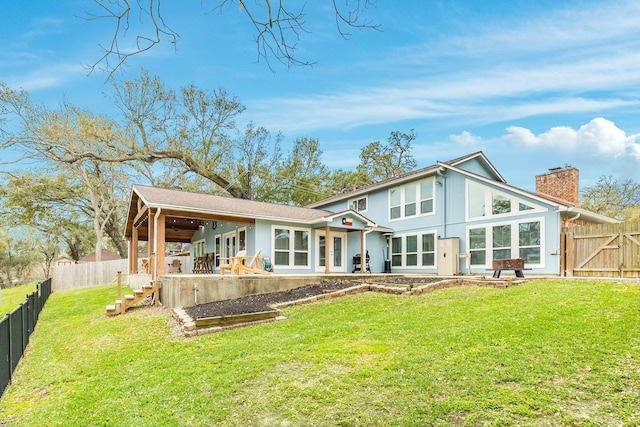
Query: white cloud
{"points": [[465, 139], [599, 137]]}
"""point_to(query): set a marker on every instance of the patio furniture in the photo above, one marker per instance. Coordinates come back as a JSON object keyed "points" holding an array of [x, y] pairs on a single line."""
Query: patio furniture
{"points": [[231, 264], [175, 266], [252, 265], [242, 264], [517, 265]]}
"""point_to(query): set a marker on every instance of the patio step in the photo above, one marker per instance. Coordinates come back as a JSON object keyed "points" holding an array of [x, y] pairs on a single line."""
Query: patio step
{"points": [[130, 300]]}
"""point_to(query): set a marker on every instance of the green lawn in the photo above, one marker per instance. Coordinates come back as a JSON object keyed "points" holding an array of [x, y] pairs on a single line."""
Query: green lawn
{"points": [[548, 353], [14, 296]]}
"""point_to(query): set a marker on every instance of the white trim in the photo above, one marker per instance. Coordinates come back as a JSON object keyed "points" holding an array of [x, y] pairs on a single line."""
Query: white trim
{"points": [[419, 253], [489, 193], [246, 237], [332, 267], [357, 199], [229, 251], [291, 250], [418, 200]]}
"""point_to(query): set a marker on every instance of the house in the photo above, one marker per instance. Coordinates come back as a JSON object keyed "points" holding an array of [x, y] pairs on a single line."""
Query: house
{"points": [[64, 260], [105, 255], [433, 220]]}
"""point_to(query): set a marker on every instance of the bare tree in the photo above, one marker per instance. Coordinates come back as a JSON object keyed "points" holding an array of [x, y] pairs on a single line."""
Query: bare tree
{"points": [[277, 27]]}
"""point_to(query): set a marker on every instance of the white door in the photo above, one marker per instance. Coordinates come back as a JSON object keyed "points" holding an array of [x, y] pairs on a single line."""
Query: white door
{"points": [[229, 245], [337, 252]]}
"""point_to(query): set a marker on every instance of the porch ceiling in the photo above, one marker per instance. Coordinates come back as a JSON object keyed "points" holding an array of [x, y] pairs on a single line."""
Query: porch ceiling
{"points": [[180, 227]]}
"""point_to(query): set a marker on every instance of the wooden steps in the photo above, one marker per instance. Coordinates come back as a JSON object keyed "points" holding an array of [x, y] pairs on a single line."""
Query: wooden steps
{"points": [[130, 300]]}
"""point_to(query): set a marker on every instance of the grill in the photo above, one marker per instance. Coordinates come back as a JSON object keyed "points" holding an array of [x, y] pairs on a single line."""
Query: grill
{"points": [[357, 262]]}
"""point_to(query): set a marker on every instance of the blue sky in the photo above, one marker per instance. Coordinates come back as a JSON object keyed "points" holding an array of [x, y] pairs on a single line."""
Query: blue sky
{"points": [[534, 85]]}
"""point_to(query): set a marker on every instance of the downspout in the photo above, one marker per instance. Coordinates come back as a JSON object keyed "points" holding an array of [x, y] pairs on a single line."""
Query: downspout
{"points": [[363, 258], [566, 223], [155, 243], [439, 172]]}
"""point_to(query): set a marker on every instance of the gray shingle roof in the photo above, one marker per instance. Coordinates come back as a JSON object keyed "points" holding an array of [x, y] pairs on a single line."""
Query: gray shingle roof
{"points": [[207, 203]]}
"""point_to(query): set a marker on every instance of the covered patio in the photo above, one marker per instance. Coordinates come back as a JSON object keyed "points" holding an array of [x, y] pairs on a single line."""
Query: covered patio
{"points": [[218, 227]]}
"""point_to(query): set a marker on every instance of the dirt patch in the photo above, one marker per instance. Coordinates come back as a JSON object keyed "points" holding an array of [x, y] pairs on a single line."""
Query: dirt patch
{"points": [[260, 303]]}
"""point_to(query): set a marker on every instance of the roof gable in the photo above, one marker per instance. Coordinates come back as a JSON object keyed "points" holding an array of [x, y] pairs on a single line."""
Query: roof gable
{"points": [[477, 163]]}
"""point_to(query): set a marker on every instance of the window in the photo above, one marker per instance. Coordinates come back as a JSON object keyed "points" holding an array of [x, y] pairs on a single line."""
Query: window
{"points": [[412, 200], [281, 246], [478, 245], [507, 240], [287, 255], [396, 251], [502, 242], [500, 204], [358, 205], [199, 248], [416, 250], [485, 202], [428, 249], [475, 200], [411, 244], [395, 201], [218, 249], [301, 248], [529, 242], [426, 196], [242, 238]]}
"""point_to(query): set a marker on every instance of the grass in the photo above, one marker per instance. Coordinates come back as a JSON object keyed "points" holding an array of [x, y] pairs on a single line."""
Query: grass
{"points": [[14, 296], [554, 353]]}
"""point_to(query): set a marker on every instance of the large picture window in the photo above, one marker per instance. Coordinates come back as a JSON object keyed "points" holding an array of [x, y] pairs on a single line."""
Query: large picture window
{"points": [[411, 200], [517, 239], [291, 247], [483, 202]]}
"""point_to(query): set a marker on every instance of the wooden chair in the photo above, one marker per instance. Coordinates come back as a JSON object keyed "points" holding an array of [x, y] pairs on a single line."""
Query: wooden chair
{"points": [[232, 264], [175, 266], [252, 264], [198, 264], [208, 262], [145, 266]]}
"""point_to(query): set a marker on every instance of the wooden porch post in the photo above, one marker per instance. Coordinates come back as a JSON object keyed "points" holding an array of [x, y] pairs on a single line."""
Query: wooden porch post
{"points": [[161, 242], [363, 258], [151, 234], [133, 251], [327, 252]]}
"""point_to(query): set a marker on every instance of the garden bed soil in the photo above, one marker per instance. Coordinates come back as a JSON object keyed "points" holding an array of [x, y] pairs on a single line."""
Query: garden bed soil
{"points": [[263, 302]]}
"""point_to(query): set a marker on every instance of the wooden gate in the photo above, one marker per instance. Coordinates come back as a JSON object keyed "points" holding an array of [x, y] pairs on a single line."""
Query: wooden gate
{"points": [[603, 250]]}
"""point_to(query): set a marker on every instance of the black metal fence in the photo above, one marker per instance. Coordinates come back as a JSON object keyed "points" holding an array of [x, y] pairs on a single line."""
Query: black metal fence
{"points": [[15, 329]]}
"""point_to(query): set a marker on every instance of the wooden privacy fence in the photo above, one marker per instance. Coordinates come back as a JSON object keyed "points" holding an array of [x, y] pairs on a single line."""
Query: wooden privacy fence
{"points": [[603, 250], [88, 274]]}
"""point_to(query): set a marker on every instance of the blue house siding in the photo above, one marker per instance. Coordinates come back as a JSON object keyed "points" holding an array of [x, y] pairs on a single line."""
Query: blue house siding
{"points": [[513, 223]]}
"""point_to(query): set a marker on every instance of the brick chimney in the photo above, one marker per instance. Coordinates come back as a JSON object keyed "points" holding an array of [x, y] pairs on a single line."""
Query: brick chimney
{"points": [[560, 183]]}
